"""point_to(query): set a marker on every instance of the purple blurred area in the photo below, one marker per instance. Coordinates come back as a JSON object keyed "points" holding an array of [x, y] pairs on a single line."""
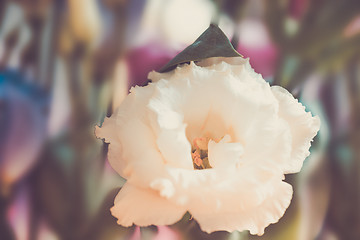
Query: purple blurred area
{"points": [[66, 64]]}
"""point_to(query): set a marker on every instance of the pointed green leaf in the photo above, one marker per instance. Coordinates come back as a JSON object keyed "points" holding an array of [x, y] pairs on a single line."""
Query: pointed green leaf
{"points": [[212, 43]]}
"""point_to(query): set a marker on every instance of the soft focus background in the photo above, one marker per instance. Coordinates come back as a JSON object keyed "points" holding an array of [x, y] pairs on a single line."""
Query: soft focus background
{"points": [[66, 64]]}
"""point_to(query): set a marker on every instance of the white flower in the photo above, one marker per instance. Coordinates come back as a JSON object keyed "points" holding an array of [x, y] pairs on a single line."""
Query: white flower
{"points": [[211, 138]]}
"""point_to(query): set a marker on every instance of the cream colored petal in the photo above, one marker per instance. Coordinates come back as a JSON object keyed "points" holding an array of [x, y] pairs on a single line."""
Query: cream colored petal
{"points": [[133, 152], [302, 124], [224, 154], [167, 124], [216, 189], [144, 161], [268, 143], [175, 148], [246, 199], [108, 132], [144, 207], [255, 219]]}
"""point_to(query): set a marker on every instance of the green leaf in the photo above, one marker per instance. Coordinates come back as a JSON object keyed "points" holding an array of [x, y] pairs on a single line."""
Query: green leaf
{"points": [[211, 43]]}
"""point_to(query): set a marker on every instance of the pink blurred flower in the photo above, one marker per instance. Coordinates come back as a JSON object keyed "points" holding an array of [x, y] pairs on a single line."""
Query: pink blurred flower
{"points": [[352, 28], [255, 43], [45, 232], [136, 234], [143, 59], [133, 68], [164, 233], [18, 215], [297, 8]]}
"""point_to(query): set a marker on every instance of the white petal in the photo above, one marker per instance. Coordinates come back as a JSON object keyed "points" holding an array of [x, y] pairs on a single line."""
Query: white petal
{"points": [[164, 186], [167, 123], [268, 143], [143, 160], [175, 148], [144, 207], [215, 190], [108, 132], [225, 154], [255, 219], [133, 152], [248, 199], [302, 125]]}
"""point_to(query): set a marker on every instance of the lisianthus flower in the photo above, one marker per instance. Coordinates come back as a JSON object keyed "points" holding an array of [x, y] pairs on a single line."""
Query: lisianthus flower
{"points": [[211, 138]]}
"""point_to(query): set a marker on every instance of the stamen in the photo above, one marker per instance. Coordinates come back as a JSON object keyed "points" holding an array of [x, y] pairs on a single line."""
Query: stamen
{"points": [[200, 153], [196, 158]]}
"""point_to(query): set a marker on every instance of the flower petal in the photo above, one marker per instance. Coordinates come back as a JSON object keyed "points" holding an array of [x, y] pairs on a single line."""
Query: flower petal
{"points": [[273, 148], [255, 219], [132, 151], [144, 207], [108, 132], [175, 148], [225, 154], [216, 190], [302, 125], [167, 123], [143, 160]]}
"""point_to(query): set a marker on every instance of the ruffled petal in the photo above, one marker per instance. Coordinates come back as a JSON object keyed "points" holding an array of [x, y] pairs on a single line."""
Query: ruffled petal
{"points": [[216, 189], [248, 198], [108, 132], [273, 148], [133, 152], [255, 219], [143, 160], [167, 123], [224, 154], [303, 127], [144, 207], [175, 148]]}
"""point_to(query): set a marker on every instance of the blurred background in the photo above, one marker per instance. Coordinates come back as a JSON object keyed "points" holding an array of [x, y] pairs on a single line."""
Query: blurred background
{"points": [[66, 64]]}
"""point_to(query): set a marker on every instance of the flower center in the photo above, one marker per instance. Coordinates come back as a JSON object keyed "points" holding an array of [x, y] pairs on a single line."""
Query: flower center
{"points": [[199, 152]]}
